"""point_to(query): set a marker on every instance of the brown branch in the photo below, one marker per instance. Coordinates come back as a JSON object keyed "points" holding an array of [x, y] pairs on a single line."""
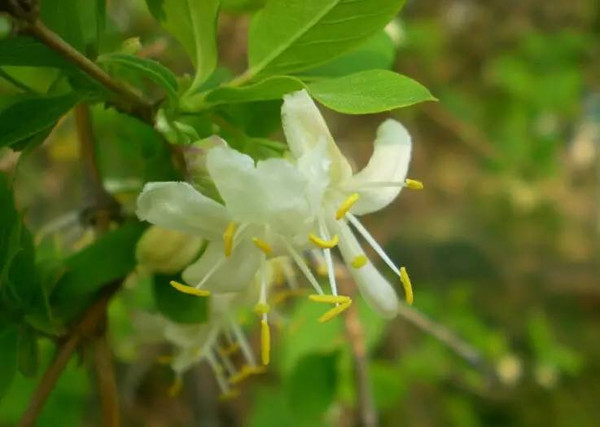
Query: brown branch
{"points": [[107, 383], [356, 336], [129, 100], [86, 327]]}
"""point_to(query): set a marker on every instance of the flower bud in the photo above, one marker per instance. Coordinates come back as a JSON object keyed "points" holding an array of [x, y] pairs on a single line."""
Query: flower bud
{"points": [[166, 251]]}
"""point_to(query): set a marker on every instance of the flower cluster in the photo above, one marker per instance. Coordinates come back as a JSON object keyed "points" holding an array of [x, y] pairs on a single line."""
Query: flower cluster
{"points": [[310, 200]]}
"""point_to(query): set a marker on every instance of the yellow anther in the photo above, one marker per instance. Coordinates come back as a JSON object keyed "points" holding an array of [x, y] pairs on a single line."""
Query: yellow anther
{"points": [[228, 238], [164, 359], [228, 351], [262, 308], [322, 243], [262, 245], [190, 290], [413, 184], [239, 376], [175, 388], [330, 299], [265, 342], [229, 395], [407, 285], [255, 370], [359, 261], [346, 205], [335, 311]]}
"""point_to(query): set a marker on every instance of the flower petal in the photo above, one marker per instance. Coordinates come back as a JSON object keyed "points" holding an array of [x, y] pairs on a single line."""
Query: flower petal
{"points": [[231, 274], [304, 127], [374, 288], [271, 193], [389, 163], [179, 206]]}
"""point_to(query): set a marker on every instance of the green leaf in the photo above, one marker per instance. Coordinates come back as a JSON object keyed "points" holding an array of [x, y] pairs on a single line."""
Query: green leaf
{"points": [[268, 89], [369, 92], [292, 35], [109, 258], [311, 387], [379, 52], [27, 352], [18, 279], [177, 306], [8, 357], [194, 24], [148, 68], [26, 51], [31, 116]]}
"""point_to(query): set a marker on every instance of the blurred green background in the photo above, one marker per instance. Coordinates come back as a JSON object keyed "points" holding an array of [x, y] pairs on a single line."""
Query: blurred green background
{"points": [[503, 245]]}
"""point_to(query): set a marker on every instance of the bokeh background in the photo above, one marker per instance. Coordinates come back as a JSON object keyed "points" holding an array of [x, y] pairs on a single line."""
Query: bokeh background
{"points": [[503, 244]]}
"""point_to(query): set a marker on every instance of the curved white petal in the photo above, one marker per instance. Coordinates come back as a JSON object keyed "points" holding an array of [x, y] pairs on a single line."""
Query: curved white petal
{"points": [[272, 193], [179, 206], [304, 127], [374, 288], [389, 163], [231, 274]]}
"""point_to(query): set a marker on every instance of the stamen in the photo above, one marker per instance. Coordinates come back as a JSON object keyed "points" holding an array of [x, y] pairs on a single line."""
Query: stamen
{"points": [[322, 243], [262, 245], [241, 339], [328, 259], [413, 184], [407, 285], [265, 339], [190, 290], [346, 205], [335, 311], [330, 299], [262, 308], [359, 261], [371, 240], [304, 268], [228, 238], [240, 376], [176, 387]]}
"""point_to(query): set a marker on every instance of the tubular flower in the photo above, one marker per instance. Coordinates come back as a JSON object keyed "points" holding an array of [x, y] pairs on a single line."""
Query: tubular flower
{"points": [[338, 197]]}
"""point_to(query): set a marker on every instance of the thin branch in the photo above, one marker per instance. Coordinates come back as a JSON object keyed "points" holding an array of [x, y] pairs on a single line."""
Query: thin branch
{"points": [[107, 383], [86, 327], [356, 336], [130, 100]]}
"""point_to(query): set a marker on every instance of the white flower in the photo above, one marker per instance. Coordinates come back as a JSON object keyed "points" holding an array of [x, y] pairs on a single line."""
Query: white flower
{"points": [[338, 196]]}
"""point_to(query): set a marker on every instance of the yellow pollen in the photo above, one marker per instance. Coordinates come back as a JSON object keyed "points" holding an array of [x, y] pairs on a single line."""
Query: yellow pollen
{"points": [[322, 243], [230, 395], [413, 184], [175, 388], [262, 245], [330, 299], [335, 311], [262, 308], [359, 261], [228, 238], [407, 285], [346, 205], [229, 350], [190, 290], [265, 342], [164, 359]]}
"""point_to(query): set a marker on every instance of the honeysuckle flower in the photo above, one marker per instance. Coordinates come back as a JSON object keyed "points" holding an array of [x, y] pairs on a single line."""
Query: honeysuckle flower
{"points": [[342, 196]]}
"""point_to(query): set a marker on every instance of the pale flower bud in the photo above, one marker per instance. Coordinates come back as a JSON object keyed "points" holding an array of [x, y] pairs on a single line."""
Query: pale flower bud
{"points": [[166, 251]]}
